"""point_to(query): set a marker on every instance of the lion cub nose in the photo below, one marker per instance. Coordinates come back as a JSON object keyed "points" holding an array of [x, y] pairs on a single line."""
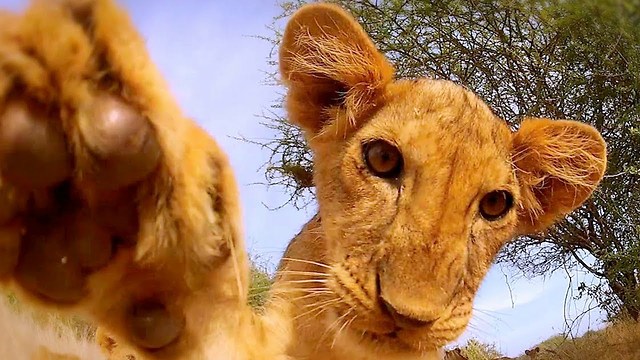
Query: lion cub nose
{"points": [[405, 321]]}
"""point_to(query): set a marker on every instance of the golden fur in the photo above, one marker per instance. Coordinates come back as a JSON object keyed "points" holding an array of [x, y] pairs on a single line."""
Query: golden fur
{"points": [[389, 267]]}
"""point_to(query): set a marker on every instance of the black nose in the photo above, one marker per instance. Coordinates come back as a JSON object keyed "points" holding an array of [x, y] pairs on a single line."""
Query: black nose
{"points": [[404, 321]]}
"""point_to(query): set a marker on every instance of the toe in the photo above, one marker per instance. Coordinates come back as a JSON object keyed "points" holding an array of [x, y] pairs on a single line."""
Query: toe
{"points": [[47, 266], [152, 326], [33, 153], [121, 140]]}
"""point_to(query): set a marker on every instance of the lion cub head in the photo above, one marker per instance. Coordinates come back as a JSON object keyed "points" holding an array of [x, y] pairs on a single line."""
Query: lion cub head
{"points": [[419, 184]]}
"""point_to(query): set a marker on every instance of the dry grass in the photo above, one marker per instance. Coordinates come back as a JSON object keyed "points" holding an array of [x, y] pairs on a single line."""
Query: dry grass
{"points": [[619, 341], [476, 350]]}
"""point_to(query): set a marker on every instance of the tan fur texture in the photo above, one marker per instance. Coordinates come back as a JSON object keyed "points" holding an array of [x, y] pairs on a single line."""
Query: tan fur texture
{"points": [[390, 265]]}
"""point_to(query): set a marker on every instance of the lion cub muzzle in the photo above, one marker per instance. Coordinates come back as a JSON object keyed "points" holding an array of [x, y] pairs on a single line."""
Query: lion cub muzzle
{"points": [[416, 291]]}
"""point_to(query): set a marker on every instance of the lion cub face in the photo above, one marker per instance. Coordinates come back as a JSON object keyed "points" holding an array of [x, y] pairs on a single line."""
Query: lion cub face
{"points": [[419, 183], [415, 204]]}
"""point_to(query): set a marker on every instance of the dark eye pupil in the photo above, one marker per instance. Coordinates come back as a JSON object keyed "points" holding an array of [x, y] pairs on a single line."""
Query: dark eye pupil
{"points": [[383, 159], [496, 204], [494, 200]]}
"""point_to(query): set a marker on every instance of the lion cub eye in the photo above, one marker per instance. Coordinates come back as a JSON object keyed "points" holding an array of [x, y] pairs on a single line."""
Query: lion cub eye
{"points": [[383, 159], [496, 204]]}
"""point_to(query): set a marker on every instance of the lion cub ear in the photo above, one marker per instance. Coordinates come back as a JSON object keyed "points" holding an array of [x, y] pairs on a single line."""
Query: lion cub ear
{"points": [[333, 71], [558, 164]]}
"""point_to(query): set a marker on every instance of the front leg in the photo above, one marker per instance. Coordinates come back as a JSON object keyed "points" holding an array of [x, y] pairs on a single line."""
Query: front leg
{"points": [[113, 202]]}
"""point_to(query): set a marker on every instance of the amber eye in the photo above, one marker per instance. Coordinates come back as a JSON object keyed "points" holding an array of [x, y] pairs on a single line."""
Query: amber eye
{"points": [[496, 204], [383, 159]]}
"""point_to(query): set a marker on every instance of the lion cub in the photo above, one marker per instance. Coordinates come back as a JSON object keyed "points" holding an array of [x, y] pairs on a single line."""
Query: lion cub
{"points": [[419, 185], [117, 205]]}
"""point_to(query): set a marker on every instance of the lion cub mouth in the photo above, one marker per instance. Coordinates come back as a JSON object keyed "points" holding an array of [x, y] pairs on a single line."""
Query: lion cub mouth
{"points": [[400, 320], [380, 323], [393, 340]]}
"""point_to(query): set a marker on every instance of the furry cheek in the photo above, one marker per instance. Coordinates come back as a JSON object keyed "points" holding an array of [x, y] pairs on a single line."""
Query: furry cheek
{"points": [[486, 240], [349, 197]]}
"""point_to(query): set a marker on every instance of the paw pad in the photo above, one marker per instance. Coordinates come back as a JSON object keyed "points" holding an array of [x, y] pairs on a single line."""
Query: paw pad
{"points": [[33, 152], [152, 326], [121, 141]]}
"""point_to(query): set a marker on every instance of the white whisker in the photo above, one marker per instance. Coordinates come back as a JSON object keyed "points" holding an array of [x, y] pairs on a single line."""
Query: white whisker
{"points": [[319, 293], [297, 289], [307, 273], [345, 325], [322, 308], [334, 324], [307, 262], [323, 303], [322, 281]]}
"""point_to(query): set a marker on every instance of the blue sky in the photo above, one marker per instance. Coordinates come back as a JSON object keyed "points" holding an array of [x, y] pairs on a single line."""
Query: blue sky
{"points": [[215, 68]]}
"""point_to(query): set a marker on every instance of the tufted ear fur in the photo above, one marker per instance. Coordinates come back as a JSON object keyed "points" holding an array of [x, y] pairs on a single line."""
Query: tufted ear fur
{"points": [[334, 73], [558, 165]]}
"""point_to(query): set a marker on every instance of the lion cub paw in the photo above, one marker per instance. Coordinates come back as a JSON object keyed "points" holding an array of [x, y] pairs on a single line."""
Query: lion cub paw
{"points": [[110, 200], [54, 238]]}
